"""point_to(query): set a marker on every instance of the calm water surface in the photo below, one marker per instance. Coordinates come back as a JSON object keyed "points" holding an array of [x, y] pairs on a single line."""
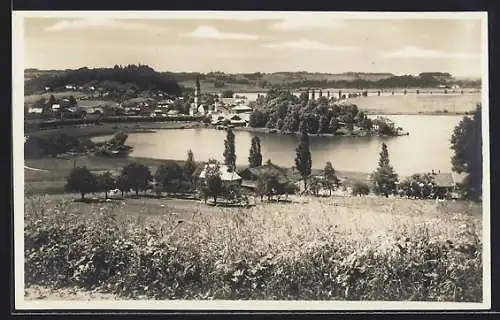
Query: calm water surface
{"points": [[426, 148]]}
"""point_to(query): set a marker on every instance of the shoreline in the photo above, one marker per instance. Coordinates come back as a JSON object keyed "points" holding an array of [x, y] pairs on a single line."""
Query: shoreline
{"points": [[134, 127], [325, 135]]}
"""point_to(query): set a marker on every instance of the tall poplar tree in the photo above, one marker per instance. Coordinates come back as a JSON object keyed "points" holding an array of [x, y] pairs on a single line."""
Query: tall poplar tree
{"points": [[189, 165], [303, 160], [255, 157], [229, 150]]}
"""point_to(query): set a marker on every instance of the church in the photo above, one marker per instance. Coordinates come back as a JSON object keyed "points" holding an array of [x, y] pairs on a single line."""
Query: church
{"points": [[197, 107]]}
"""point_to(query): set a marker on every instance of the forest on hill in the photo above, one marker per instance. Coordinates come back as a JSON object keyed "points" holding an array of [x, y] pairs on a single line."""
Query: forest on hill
{"points": [[140, 77]]}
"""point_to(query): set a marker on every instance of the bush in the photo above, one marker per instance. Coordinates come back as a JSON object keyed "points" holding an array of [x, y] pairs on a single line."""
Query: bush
{"points": [[360, 188]]}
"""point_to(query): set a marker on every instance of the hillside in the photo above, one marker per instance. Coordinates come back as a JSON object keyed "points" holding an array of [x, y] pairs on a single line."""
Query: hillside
{"points": [[144, 77], [255, 82], [129, 79]]}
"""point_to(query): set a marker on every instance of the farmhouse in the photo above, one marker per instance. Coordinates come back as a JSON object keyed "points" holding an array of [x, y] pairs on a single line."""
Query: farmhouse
{"points": [[252, 175], [447, 182], [227, 175]]}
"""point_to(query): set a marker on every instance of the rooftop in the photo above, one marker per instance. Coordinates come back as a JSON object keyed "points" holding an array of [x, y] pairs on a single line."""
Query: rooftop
{"points": [[226, 173]]}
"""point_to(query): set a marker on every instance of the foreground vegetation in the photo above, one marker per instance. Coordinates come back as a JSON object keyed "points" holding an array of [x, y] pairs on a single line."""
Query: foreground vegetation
{"points": [[328, 248]]}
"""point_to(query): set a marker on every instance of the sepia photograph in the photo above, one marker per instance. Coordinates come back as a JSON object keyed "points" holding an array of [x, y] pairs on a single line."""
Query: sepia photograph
{"points": [[251, 160]]}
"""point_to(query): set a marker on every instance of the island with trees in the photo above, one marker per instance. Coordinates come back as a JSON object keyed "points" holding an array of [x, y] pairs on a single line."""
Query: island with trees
{"points": [[281, 111]]}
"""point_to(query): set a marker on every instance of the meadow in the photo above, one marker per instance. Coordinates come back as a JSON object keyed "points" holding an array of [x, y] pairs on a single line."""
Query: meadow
{"points": [[332, 248]]}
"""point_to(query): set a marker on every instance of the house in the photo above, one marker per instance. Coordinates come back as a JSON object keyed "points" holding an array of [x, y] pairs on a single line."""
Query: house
{"points": [[93, 110], [173, 113], [241, 109], [227, 175], [164, 103], [447, 183], [252, 175], [157, 114], [35, 110], [232, 101], [237, 121]]}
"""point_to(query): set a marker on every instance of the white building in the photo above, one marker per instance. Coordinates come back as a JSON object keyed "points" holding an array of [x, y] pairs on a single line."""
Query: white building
{"points": [[241, 109], [201, 110], [35, 110]]}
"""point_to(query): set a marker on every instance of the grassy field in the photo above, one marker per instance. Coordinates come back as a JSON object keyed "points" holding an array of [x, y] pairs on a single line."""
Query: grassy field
{"points": [[335, 248], [32, 98]]}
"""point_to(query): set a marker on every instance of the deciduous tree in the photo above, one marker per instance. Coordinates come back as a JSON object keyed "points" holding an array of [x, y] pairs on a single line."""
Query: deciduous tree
{"points": [[213, 181], [81, 180], [466, 143], [138, 176], [106, 182]]}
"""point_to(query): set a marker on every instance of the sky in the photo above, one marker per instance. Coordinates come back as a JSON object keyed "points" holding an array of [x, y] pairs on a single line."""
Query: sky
{"points": [[254, 43]]}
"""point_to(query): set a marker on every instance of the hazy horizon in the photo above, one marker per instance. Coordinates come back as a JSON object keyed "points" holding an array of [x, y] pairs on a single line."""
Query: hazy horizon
{"points": [[304, 42], [263, 72]]}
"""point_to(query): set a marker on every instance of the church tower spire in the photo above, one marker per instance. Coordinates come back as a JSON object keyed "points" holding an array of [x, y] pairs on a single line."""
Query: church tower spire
{"points": [[197, 93]]}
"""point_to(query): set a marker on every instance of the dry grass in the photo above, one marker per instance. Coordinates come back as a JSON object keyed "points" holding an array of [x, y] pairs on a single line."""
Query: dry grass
{"points": [[329, 248]]}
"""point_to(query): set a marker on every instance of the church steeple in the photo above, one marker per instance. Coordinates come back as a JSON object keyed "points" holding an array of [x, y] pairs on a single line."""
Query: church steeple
{"points": [[197, 93]]}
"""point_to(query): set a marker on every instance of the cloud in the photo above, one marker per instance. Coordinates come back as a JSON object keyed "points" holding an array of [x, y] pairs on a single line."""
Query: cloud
{"points": [[306, 21], [210, 32], [415, 52], [101, 23], [307, 45]]}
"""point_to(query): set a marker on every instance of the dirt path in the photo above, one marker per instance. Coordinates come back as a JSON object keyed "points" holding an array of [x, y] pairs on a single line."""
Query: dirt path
{"points": [[43, 293], [35, 169]]}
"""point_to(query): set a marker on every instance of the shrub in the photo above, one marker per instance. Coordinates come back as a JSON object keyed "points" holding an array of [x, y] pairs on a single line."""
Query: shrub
{"points": [[360, 188]]}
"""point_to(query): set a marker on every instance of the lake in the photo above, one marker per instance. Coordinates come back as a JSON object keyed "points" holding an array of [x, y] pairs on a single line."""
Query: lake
{"points": [[400, 103], [427, 146]]}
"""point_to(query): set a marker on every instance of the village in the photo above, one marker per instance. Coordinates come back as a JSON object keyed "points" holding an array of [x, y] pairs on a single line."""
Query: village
{"points": [[287, 157]]}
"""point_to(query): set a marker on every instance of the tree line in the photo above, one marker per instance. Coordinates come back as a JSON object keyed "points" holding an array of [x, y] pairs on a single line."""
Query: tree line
{"points": [[60, 143], [132, 76]]}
